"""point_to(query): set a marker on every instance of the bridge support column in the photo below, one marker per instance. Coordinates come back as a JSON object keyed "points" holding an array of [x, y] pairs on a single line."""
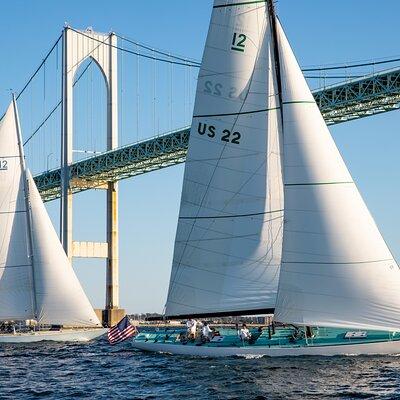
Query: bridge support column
{"points": [[77, 47], [113, 313]]}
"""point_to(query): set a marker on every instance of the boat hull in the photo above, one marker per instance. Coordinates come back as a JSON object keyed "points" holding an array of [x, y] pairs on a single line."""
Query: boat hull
{"points": [[73, 335], [382, 347]]}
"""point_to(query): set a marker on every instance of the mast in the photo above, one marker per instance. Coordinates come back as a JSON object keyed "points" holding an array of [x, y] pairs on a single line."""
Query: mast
{"points": [[277, 63], [27, 204]]}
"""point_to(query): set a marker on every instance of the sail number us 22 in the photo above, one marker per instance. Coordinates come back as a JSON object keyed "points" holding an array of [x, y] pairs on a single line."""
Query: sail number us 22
{"points": [[226, 135]]}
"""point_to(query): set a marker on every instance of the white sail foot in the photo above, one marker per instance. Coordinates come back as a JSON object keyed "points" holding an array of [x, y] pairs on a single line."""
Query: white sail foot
{"points": [[66, 335]]}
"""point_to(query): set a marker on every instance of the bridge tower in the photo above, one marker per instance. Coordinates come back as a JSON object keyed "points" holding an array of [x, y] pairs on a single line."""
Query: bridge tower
{"points": [[78, 46]]}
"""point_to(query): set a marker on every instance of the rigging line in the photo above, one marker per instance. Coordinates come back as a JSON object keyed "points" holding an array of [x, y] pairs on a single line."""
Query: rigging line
{"points": [[187, 64], [158, 51], [56, 106]]}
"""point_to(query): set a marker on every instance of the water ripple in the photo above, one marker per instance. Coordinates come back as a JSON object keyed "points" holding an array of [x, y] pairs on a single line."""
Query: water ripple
{"points": [[99, 371]]}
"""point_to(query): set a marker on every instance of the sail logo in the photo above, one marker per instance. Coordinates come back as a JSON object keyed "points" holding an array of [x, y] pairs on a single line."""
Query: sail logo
{"points": [[238, 42], [3, 165], [226, 136]]}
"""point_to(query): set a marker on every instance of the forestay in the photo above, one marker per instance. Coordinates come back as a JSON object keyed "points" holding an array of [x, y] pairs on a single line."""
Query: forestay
{"points": [[229, 237], [16, 296], [336, 268]]}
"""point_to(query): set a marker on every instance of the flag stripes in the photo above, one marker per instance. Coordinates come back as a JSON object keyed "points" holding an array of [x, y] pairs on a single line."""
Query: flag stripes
{"points": [[122, 331]]}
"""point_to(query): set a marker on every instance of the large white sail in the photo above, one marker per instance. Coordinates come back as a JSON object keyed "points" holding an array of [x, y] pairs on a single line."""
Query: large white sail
{"points": [[229, 237], [336, 268], [60, 298], [16, 295]]}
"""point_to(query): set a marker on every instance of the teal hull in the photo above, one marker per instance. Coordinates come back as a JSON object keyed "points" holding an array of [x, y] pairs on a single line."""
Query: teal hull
{"points": [[284, 342]]}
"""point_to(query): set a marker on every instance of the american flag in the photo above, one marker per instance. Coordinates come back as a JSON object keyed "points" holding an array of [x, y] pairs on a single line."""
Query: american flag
{"points": [[123, 330]]}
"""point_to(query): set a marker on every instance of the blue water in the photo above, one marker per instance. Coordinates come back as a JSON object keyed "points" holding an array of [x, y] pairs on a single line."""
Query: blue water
{"points": [[100, 371]]}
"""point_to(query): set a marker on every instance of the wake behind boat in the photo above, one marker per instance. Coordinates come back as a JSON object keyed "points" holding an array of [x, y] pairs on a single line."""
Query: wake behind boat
{"points": [[271, 221], [40, 295]]}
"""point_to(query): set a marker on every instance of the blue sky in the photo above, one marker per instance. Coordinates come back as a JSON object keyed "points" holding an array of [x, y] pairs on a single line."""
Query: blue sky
{"points": [[321, 32]]}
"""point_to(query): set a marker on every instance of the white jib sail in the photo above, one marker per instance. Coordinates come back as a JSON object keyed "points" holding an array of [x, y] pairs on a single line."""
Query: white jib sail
{"points": [[229, 237], [336, 268], [16, 295], [60, 298]]}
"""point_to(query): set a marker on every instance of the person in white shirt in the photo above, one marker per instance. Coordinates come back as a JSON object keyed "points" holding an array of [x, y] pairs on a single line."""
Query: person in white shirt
{"points": [[206, 331], [191, 325], [244, 333]]}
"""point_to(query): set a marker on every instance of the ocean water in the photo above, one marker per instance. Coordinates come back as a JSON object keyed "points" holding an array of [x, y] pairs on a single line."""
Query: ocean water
{"points": [[99, 371]]}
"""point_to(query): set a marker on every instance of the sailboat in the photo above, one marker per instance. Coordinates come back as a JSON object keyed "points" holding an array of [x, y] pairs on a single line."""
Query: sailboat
{"points": [[271, 221], [40, 295]]}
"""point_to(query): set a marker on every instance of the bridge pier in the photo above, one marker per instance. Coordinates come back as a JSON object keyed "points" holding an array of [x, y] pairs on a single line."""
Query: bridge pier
{"points": [[77, 47]]}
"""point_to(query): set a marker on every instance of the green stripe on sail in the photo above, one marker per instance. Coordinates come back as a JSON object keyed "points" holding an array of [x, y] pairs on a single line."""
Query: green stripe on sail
{"points": [[240, 4]]}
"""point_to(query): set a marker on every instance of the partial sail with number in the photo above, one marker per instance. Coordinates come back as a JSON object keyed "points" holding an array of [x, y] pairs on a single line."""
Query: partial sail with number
{"points": [[37, 281], [270, 218], [229, 236], [16, 301]]}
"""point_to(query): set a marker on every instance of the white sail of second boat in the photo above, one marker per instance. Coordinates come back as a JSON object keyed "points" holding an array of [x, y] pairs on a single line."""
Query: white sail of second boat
{"points": [[228, 242], [36, 279], [16, 300]]}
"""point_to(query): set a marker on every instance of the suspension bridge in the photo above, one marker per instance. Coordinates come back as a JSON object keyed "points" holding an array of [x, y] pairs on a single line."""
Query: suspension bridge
{"points": [[113, 108]]}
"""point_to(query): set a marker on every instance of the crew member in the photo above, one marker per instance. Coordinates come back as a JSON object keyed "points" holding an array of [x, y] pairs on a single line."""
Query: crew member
{"points": [[191, 325], [244, 333], [207, 332]]}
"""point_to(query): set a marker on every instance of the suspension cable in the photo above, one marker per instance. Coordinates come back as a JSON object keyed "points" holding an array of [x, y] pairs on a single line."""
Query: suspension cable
{"points": [[158, 51], [136, 53], [39, 67], [54, 109]]}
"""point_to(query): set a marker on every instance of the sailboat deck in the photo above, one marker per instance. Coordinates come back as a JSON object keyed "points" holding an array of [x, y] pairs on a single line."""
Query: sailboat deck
{"points": [[283, 337]]}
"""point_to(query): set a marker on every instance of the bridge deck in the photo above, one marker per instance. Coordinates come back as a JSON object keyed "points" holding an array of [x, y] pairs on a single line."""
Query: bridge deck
{"points": [[338, 103]]}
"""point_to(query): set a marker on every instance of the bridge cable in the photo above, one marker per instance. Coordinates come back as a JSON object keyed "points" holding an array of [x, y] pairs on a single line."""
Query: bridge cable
{"points": [[56, 106], [187, 63], [159, 51]]}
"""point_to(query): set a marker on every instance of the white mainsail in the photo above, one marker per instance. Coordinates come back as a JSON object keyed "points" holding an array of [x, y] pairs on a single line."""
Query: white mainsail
{"points": [[229, 236], [16, 297], [60, 298], [336, 268]]}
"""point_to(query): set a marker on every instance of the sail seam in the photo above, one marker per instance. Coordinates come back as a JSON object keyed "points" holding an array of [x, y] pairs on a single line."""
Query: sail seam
{"points": [[233, 216], [336, 263], [237, 113], [318, 183], [12, 212], [240, 4], [16, 266]]}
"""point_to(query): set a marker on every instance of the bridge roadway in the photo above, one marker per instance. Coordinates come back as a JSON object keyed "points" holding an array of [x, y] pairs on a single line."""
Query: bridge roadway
{"points": [[338, 103]]}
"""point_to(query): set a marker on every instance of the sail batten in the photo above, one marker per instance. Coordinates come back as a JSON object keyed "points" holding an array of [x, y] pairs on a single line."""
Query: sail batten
{"points": [[228, 241]]}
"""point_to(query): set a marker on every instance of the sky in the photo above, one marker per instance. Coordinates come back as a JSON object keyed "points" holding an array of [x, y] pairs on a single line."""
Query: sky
{"points": [[321, 32]]}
